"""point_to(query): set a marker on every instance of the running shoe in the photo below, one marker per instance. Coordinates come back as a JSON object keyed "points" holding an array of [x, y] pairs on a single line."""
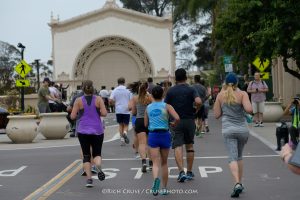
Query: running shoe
{"points": [[256, 124], [207, 128], [126, 138], [83, 173], [155, 187], [190, 175], [94, 170], [101, 175], [237, 189], [144, 167], [164, 191], [89, 183], [137, 155], [150, 165], [122, 141], [197, 133], [261, 124], [181, 177]]}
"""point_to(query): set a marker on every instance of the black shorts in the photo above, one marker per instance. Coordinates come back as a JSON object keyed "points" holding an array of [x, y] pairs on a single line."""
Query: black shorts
{"points": [[201, 113], [140, 126], [183, 133], [88, 141], [123, 118]]}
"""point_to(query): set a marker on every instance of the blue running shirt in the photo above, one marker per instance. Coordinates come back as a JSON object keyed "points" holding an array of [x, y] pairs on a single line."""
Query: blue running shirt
{"points": [[158, 116]]}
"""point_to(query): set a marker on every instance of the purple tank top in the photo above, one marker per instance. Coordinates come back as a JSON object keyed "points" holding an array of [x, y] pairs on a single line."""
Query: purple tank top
{"points": [[90, 122]]}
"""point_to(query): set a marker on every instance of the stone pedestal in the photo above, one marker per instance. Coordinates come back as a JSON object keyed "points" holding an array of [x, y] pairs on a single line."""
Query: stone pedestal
{"points": [[54, 125], [22, 128], [273, 112]]}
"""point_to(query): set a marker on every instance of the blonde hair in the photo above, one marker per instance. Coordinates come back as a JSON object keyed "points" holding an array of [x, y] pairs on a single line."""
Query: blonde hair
{"points": [[229, 96]]}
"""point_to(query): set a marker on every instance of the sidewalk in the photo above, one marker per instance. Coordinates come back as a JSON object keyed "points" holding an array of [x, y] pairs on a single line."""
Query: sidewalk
{"points": [[266, 134], [41, 142]]}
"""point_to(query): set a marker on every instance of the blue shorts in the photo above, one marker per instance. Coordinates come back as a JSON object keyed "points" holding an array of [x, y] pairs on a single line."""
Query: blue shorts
{"points": [[123, 118], [133, 118], [159, 139]]}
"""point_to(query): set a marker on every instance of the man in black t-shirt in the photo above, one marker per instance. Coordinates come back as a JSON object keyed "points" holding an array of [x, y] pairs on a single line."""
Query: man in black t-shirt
{"points": [[182, 97]]}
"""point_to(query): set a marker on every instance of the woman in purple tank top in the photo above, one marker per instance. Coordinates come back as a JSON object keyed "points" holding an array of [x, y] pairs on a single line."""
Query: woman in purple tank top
{"points": [[90, 129]]}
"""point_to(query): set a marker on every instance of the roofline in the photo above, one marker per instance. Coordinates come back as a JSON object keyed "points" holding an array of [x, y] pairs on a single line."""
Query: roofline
{"points": [[104, 10]]}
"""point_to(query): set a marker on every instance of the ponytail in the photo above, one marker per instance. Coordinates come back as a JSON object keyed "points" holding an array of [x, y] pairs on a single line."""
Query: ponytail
{"points": [[88, 87], [229, 96]]}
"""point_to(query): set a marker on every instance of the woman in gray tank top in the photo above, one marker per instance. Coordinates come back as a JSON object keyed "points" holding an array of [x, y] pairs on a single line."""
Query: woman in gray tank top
{"points": [[231, 104], [139, 105]]}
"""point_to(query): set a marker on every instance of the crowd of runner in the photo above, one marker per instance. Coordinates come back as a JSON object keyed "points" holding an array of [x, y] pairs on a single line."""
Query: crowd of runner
{"points": [[163, 117]]}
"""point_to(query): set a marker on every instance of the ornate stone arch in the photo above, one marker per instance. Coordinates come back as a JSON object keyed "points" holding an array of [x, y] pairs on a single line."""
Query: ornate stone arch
{"points": [[104, 44]]}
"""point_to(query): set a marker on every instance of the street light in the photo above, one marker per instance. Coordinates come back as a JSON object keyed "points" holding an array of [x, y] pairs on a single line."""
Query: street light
{"points": [[37, 62], [22, 47]]}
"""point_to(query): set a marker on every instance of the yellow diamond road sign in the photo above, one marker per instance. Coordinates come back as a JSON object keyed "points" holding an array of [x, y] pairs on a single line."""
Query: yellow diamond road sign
{"points": [[261, 66], [264, 75], [22, 83], [23, 68]]}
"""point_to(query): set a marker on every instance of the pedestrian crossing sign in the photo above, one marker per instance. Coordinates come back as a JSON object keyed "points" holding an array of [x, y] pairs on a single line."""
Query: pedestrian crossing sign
{"points": [[22, 83], [23, 68], [261, 65]]}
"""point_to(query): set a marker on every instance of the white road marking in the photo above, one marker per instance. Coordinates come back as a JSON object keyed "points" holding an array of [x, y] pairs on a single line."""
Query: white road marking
{"points": [[204, 157], [263, 140]]}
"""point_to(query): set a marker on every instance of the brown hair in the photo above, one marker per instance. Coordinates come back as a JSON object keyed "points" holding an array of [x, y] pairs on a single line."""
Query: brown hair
{"points": [[142, 97], [87, 87]]}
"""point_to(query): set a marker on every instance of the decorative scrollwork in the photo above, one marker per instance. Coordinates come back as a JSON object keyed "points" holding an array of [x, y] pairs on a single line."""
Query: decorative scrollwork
{"points": [[112, 42]]}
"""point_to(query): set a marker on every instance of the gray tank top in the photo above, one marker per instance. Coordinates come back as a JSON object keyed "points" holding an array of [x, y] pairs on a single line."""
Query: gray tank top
{"points": [[233, 119], [140, 110]]}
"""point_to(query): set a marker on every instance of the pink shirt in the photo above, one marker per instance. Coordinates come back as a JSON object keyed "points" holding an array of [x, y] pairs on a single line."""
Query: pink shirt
{"points": [[257, 96]]}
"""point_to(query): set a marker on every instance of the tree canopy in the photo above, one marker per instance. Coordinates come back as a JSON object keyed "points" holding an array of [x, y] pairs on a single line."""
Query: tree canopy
{"points": [[260, 28], [9, 57]]}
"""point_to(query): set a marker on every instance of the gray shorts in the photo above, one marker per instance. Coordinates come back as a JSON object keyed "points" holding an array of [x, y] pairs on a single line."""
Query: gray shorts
{"points": [[183, 133], [258, 107], [235, 143], [44, 108]]}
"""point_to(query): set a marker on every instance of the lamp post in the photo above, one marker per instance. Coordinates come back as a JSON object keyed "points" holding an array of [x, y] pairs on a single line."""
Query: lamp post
{"points": [[37, 62], [22, 47]]}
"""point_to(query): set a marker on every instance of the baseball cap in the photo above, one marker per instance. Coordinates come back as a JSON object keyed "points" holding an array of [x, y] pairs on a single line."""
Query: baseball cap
{"points": [[46, 79], [231, 78]]}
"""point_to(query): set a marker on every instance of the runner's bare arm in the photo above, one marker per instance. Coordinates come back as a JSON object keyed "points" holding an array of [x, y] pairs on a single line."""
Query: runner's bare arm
{"points": [[217, 107], [174, 114], [103, 110], [75, 109], [146, 120], [246, 102], [132, 105]]}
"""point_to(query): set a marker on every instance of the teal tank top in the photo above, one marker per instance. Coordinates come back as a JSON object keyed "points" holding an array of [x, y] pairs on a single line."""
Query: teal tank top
{"points": [[158, 116]]}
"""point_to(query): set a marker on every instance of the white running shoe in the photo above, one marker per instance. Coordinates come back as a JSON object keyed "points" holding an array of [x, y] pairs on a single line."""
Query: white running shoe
{"points": [[122, 141]]}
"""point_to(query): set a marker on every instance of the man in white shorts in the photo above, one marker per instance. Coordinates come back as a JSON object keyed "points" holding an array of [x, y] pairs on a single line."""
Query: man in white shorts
{"points": [[258, 89]]}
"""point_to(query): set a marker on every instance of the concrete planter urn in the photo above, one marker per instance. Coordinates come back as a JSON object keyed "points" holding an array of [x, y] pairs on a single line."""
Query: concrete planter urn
{"points": [[273, 111], [54, 125], [21, 128]]}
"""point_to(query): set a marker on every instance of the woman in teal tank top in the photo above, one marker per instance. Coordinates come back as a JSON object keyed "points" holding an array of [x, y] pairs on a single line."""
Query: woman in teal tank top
{"points": [[159, 138]]}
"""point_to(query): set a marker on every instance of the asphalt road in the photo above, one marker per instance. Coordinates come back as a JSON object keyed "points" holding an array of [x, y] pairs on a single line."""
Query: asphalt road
{"points": [[265, 175]]}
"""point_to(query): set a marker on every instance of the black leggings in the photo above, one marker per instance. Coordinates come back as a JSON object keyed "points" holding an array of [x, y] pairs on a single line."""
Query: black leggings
{"points": [[88, 141]]}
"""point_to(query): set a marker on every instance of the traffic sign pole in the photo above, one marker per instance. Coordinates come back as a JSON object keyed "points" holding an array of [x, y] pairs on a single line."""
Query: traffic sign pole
{"points": [[22, 88]]}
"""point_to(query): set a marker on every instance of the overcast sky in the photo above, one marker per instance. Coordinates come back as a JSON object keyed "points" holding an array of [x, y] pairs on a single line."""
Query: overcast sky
{"points": [[26, 21]]}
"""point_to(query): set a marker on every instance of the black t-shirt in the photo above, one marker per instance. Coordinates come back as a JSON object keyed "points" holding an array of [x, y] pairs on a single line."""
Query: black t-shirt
{"points": [[182, 98], [201, 91]]}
